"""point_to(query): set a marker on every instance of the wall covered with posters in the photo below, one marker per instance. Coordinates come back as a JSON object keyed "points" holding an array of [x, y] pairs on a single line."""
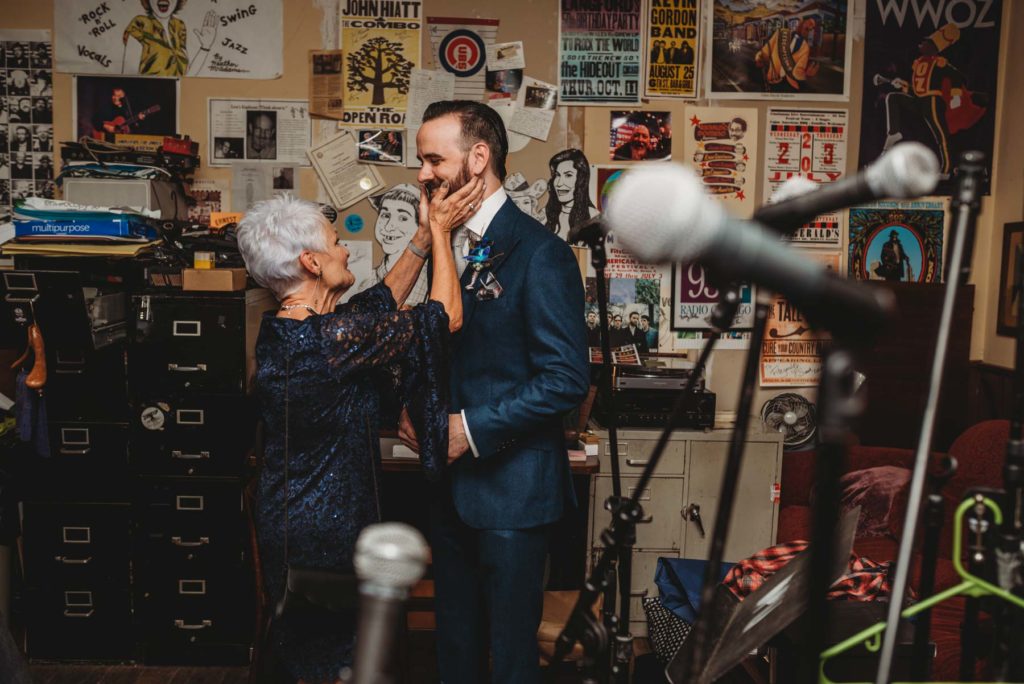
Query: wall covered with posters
{"points": [[646, 84]]}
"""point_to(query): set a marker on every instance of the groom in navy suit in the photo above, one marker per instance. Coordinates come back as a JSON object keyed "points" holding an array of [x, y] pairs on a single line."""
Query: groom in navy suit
{"points": [[518, 365]]}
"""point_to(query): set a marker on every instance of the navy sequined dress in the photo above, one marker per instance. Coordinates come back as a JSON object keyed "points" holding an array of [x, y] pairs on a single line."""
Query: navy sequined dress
{"points": [[326, 374]]}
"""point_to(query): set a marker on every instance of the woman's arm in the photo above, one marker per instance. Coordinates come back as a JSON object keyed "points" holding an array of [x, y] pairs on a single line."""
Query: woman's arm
{"points": [[445, 214], [442, 214], [402, 276]]}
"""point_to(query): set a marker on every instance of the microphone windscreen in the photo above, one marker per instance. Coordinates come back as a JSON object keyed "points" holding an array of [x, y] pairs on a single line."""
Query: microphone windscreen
{"points": [[390, 555], [660, 213], [906, 171], [793, 187]]}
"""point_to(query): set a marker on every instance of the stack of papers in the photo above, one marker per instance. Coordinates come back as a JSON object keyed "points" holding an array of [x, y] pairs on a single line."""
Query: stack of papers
{"points": [[55, 227], [113, 249]]}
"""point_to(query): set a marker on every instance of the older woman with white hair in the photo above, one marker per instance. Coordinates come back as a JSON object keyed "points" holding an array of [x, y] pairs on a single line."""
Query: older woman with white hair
{"points": [[321, 367]]}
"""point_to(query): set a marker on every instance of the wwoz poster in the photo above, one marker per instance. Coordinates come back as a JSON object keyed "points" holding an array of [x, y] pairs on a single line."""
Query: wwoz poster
{"points": [[930, 73]]}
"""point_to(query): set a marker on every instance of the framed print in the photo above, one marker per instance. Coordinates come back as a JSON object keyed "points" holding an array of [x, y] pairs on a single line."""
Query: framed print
{"points": [[1013, 245]]}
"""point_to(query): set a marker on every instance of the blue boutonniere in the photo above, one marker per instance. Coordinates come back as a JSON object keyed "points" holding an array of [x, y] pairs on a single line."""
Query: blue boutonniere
{"points": [[480, 258]]}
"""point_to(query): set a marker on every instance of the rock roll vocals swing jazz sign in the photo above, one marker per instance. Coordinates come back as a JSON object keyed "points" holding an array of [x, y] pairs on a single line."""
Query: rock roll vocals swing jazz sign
{"points": [[208, 38]]}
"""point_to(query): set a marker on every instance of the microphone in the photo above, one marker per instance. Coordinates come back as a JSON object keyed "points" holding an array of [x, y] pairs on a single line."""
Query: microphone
{"points": [[792, 188], [662, 215], [389, 558], [907, 170]]}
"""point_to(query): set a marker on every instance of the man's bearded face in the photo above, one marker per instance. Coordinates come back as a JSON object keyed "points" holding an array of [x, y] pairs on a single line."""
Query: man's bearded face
{"points": [[464, 176]]}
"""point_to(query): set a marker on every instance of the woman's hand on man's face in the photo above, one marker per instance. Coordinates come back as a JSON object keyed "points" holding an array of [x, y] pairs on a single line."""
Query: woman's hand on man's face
{"points": [[443, 212]]}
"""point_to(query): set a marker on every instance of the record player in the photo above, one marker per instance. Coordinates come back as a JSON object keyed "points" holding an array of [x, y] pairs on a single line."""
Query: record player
{"points": [[644, 396]]}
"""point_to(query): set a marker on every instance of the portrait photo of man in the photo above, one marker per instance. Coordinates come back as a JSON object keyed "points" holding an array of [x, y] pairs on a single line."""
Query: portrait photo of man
{"points": [[260, 134], [641, 135]]}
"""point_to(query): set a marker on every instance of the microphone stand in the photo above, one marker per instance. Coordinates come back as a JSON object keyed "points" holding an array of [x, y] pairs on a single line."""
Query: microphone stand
{"points": [[1011, 535], [592, 634], [622, 567], [618, 537], [722, 318], [966, 204], [934, 513], [838, 405]]}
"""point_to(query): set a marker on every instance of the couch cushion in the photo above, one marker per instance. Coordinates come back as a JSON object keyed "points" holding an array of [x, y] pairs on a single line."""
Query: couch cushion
{"points": [[875, 490]]}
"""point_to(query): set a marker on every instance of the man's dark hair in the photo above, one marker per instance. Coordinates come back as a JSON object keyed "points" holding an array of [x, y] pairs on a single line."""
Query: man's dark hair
{"points": [[479, 123]]}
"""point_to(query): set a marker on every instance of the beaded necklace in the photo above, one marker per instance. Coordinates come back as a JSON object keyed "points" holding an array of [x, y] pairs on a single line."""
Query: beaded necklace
{"points": [[307, 307]]}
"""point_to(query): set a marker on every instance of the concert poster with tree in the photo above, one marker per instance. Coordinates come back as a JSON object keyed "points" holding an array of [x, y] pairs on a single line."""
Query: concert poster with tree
{"points": [[380, 52], [106, 106]]}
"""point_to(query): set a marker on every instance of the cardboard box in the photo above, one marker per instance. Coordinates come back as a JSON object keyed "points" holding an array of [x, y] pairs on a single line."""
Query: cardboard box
{"points": [[213, 279]]}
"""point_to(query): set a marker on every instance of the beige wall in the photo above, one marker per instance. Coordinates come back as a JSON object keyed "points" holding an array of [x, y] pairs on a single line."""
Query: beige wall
{"points": [[535, 23]]}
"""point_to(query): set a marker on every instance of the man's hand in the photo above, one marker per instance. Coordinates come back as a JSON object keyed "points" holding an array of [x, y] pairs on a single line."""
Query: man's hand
{"points": [[406, 432], [458, 443], [812, 69]]}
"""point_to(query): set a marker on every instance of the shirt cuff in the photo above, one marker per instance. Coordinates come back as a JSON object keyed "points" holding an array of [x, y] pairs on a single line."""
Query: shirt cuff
{"points": [[469, 437]]}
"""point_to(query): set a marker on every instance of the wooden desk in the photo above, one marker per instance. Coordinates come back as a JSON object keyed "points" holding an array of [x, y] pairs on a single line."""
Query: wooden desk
{"points": [[591, 466], [405, 498]]}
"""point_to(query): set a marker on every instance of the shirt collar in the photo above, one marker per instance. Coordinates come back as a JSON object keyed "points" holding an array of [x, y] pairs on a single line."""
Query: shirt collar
{"points": [[478, 222]]}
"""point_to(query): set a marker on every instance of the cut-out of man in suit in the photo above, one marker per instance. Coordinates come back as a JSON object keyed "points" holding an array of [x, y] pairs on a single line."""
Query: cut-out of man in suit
{"points": [[518, 365]]}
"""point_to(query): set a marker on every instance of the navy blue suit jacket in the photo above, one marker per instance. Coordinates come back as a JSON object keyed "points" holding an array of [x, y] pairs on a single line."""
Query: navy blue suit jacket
{"points": [[519, 364]]}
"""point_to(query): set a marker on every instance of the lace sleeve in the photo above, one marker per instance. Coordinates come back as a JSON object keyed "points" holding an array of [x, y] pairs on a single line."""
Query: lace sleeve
{"points": [[374, 299], [414, 343]]}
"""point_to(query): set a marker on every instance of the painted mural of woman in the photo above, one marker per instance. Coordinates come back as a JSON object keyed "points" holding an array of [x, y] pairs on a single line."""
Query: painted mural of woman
{"points": [[162, 37], [569, 202]]}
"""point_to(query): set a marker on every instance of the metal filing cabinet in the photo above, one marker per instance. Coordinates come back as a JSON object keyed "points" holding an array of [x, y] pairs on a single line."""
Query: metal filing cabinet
{"points": [[77, 560], [192, 424], [689, 475], [135, 539], [75, 514]]}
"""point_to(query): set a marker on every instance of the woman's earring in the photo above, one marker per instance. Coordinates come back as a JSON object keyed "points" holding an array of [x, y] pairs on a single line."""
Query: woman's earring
{"points": [[316, 290]]}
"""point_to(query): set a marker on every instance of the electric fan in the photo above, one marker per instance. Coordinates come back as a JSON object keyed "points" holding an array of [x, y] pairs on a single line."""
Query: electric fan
{"points": [[793, 416]]}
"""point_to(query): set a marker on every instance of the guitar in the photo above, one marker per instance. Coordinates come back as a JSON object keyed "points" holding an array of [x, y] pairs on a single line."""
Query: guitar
{"points": [[119, 124]]}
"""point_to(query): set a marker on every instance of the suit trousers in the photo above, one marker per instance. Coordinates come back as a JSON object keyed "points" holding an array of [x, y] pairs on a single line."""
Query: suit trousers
{"points": [[487, 583]]}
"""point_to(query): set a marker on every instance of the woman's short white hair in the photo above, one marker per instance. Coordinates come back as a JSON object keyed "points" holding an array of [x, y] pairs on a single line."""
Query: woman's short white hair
{"points": [[272, 236]]}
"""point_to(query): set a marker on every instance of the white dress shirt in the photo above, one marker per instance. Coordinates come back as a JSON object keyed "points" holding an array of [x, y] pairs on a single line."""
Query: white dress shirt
{"points": [[478, 224]]}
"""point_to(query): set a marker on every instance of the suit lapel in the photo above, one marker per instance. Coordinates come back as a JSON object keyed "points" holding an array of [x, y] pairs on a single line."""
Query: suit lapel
{"points": [[502, 233]]}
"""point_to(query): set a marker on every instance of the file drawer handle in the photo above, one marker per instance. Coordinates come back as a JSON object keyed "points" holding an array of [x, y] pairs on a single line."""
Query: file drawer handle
{"points": [[73, 561], [639, 593], [692, 513], [74, 452], [636, 462], [189, 457], [69, 371], [181, 624], [177, 541], [79, 614], [198, 368]]}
